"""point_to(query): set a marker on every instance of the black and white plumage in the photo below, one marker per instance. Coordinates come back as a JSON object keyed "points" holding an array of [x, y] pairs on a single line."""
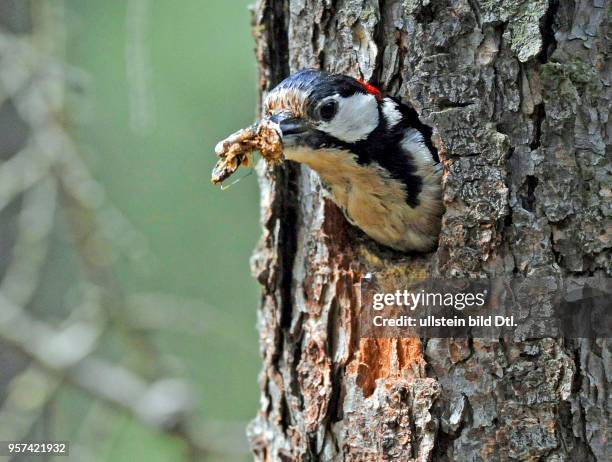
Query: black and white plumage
{"points": [[369, 152]]}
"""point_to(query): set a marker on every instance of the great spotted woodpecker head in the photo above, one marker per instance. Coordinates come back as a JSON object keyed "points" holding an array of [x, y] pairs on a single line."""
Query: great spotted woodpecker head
{"points": [[371, 152], [315, 109]]}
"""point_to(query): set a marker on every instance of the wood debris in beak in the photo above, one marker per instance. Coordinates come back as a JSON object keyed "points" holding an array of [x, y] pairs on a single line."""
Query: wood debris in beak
{"points": [[236, 149]]}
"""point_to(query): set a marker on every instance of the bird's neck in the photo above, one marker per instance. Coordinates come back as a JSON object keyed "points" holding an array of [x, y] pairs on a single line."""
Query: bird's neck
{"points": [[375, 201]]}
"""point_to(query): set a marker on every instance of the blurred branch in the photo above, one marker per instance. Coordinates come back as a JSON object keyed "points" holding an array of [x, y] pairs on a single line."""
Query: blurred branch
{"points": [[52, 184], [30, 392], [34, 226], [83, 198], [19, 173], [138, 67], [166, 404]]}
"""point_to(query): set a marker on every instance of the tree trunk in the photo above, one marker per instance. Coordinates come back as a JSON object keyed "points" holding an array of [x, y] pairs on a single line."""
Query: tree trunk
{"points": [[518, 95]]}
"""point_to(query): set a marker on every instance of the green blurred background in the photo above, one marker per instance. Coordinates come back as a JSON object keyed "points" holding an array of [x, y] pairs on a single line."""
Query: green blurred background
{"points": [[154, 85], [201, 74], [203, 87]]}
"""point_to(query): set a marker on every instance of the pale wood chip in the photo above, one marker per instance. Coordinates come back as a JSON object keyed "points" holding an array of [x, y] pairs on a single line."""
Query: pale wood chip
{"points": [[235, 150]]}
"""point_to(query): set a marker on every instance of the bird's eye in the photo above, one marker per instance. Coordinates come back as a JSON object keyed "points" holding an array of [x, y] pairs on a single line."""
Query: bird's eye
{"points": [[328, 110]]}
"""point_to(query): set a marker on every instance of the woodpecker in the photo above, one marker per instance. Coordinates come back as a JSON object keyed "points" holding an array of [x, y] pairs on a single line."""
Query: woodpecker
{"points": [[372, 154]]}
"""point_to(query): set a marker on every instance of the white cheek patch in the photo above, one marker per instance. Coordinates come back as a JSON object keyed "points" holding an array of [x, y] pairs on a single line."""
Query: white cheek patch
{"points": [[391, 113], [357, 117]]}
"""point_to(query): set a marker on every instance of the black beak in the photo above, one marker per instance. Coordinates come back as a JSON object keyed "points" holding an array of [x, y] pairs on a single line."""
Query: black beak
{"points": [[289, 125], [292, 126]]}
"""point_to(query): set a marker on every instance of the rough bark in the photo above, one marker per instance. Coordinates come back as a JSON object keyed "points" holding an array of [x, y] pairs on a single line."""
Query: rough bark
{"points": [[518, 96]]}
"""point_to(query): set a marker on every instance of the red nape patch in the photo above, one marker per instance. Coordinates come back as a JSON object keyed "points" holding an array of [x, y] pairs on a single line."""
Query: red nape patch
{"points": [[371, 89]]}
